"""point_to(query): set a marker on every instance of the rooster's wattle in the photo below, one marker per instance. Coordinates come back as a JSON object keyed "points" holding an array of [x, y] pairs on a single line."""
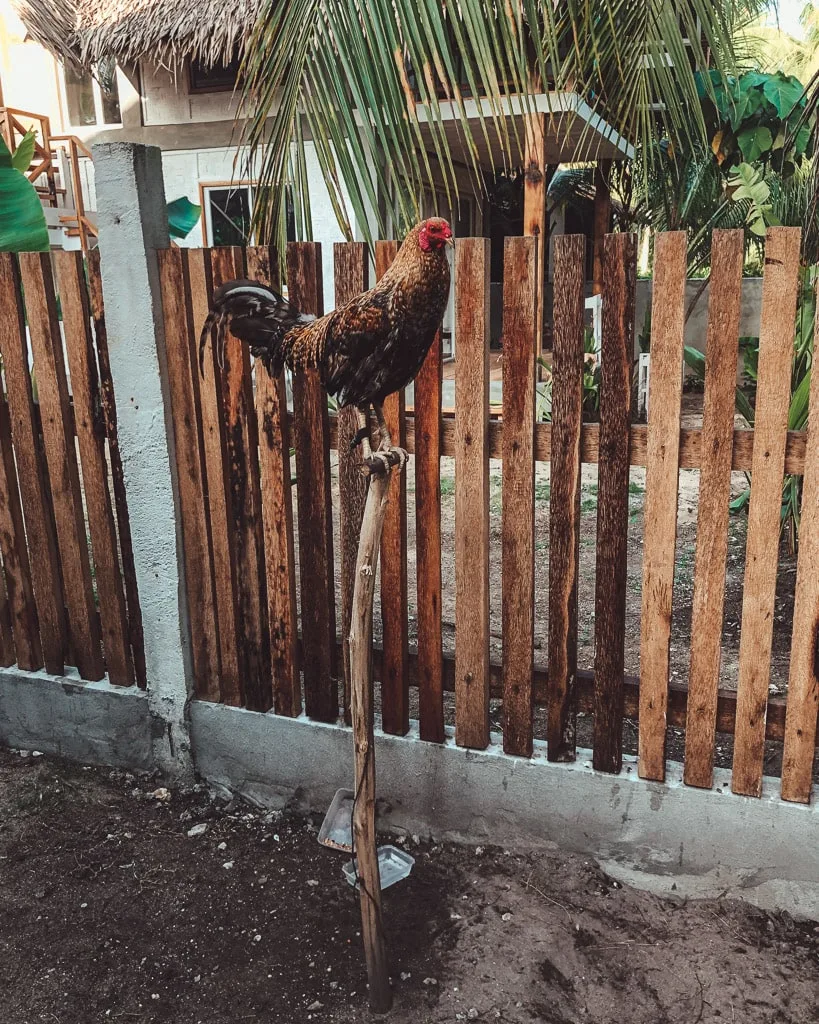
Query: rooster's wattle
{"points": [[364, 350]]}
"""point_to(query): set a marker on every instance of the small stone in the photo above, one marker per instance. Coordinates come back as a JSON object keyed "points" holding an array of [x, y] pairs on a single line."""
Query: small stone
{"points": [[312, 882], [222, 846], [472, 1013], [37, 753], [198, 830], [316, 1006], [154, 995], [228, 865], [257, 938], [405, 975], [198, 977], [456, 917], [162, 794], [479, 851], [506, 917], [430, 981], [83, 906]]}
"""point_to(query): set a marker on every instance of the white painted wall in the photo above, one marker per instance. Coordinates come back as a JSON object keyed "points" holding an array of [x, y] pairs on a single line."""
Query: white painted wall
{"points": [[185, 170], [166, 98]]}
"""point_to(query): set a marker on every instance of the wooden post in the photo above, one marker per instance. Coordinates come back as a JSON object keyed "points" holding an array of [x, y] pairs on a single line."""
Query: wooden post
{"points": [[361, 710], [535, 219], [602, 219]]}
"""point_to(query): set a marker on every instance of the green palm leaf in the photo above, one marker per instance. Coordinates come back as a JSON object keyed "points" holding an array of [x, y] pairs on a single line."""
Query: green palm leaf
{"points": [[401, 96], [22, 221]]}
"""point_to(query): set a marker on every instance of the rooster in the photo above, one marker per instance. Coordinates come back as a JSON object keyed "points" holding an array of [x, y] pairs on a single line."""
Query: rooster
{"points": [[364, 350]]}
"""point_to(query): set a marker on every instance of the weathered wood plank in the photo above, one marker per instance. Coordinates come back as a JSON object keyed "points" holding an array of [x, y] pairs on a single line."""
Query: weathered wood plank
{"points": [[277, 515], [427, 424], [244, 503], [721, 354], [7, 655], [20, 592], [311, 437], [535, 213], [217, 473], [179, 330], [803, 680], [662, 477], [109, 415], [677, 694], [564, 501], [91, 441], [394, 609], [472, 493], [39, 525], [776, 329], [690, 444], [352, 269], [518, 497], [61, 459], [619, 277]]}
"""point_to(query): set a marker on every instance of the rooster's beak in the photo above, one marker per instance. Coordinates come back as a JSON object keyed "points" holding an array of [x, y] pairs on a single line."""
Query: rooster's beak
{"points": [[450, 242]]}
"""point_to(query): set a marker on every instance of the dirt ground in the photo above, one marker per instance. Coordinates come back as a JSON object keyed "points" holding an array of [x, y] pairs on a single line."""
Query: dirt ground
{"points": [[111, 911]]}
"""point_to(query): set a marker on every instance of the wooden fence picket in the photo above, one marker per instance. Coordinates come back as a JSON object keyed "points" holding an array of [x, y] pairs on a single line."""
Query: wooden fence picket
{"points": [[619, 281], [662, 478], [277, 515], [430, 659], [63, 473], [311, 436], [721, 353], [189, 461], [212, 420], [16, 566], [352, 274], [472, 493], [109, 415], [518, 497], [394, 611], [39, 524], [242, 445], [803, 678], [91, 442], [780, 287], [564, 501]]}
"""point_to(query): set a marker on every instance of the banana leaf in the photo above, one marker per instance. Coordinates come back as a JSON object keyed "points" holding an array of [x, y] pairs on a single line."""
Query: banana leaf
{"points": [[22, 156], [695, 361], [22, 220], [182, 217]]}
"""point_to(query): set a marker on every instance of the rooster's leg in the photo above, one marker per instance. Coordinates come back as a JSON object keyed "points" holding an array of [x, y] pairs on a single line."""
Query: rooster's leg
{"points": [[386, 444], [362, 435]]}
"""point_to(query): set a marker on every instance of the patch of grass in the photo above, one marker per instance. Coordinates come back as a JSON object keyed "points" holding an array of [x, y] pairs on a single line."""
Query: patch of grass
{"points": [[588, 504], [447, 486], [634, 488], [542, 492]]}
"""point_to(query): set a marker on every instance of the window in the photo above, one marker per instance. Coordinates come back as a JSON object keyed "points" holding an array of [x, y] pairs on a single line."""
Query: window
{"points": [[229, 212], [92, 97], [221, 78]]}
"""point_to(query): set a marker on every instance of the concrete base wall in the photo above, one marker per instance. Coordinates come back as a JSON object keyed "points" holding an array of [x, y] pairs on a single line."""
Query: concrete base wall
{"points": [[701, 843], [94, 723], [705, 843]]}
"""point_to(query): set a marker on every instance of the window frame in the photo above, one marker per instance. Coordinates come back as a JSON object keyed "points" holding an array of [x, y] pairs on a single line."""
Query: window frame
{"points": [[96, 92], [205, 188], [203, 90]]}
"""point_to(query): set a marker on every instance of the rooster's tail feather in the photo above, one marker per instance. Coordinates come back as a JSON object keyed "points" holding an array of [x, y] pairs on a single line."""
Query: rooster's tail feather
{"points": [[256, 314]]}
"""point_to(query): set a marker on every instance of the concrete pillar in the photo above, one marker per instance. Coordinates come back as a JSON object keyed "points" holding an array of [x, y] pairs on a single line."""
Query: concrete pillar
{"points": [[133, 224]]}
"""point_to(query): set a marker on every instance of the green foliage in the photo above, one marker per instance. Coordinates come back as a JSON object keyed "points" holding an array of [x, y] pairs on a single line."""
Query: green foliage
{"points": [[182, 217], [22, 221], [755, 117], [22, 156], [375, 83], [591, 385]]}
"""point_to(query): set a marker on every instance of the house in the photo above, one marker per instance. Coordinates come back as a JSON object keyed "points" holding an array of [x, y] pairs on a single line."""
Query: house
{"points": [[165, 73]]}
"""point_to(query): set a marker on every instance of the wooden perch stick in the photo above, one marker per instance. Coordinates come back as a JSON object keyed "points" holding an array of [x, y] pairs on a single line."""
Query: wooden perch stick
{"points": [[361, 709]]}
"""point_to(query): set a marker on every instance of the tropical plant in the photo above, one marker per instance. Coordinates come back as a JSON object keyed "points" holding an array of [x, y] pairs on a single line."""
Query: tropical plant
{"points": [[374, 83], [591, 384], [797, 408], [22, 220]]}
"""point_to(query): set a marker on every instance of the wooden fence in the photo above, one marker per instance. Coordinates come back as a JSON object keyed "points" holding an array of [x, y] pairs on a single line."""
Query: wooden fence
{"points": [[68, 590], [245, 544]]}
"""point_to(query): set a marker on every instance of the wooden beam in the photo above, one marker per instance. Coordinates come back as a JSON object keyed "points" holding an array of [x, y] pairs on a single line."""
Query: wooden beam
{"points": [[602, 219], [535, 220]]}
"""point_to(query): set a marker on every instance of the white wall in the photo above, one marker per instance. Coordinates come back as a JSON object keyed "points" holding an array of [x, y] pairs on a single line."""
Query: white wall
{"points": [[185, 170], [166, 99]]}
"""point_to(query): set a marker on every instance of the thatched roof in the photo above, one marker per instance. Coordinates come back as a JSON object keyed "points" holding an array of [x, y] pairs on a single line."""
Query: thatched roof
{"points": [[84, 31]]}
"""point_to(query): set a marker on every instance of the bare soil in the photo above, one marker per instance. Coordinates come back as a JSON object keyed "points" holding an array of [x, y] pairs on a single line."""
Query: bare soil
{"points": [[110, 911]]}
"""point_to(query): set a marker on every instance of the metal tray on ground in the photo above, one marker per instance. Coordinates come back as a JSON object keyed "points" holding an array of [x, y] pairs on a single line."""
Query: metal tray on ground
{"points": [[336, 829], [393, 865]]}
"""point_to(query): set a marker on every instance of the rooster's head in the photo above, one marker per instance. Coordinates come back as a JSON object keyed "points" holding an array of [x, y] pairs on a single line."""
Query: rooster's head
{"points": [[434, 233]]}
